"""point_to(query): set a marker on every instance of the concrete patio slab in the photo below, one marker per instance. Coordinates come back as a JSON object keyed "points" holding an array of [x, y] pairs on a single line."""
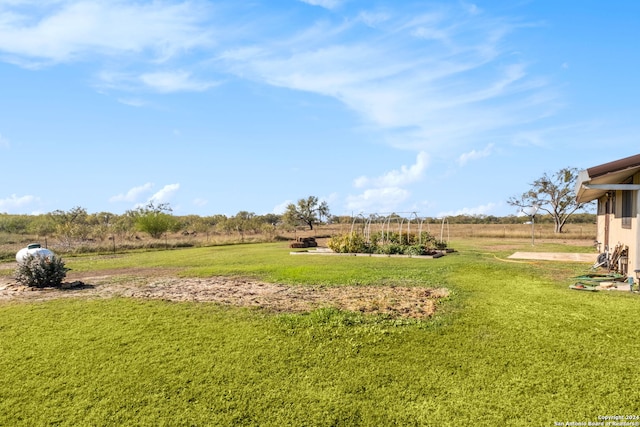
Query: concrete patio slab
{"points": [[555, 256]]}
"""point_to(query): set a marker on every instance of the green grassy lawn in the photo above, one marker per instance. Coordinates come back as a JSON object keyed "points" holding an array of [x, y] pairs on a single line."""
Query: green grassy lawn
{"points": [[511, 346]]}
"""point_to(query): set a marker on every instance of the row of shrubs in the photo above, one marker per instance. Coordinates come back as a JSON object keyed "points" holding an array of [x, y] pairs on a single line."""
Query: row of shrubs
{"points": [[390, 243]]}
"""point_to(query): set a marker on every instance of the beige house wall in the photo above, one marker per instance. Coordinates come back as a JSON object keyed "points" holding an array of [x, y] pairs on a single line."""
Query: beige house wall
{"points": [[628, 236]]}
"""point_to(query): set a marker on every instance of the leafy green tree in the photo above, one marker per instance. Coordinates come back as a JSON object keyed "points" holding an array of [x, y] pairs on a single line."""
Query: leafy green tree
{"points": [[554, 195], [16, 224], [308, 211], [154, 220], [42, 226], [270, 218]]}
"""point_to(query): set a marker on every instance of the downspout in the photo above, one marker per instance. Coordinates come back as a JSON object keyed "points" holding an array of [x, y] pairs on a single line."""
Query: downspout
{"points": [[607, 222]]}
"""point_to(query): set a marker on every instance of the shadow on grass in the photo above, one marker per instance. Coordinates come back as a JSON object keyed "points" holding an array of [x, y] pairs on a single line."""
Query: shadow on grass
{"points": [[75, 286]]}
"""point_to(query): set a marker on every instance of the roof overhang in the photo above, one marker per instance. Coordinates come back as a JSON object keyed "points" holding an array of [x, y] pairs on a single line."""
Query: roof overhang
{"points": [[594, 182]]}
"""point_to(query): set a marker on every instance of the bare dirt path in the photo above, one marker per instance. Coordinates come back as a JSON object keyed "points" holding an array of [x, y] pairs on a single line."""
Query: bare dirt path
{"points": [[408, 302]]}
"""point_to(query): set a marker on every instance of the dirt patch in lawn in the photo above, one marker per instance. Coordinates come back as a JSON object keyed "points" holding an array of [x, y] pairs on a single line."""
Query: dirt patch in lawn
{"points": [[408, 302]]}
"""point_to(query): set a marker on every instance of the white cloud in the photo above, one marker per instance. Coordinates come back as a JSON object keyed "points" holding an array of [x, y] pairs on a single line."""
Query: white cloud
{"points": [[478, 210], [395, 178], [475, 155], [176, 81], [428, 81], [377, 200], [327, 4], [159, 82], [281, 208], [132, 102], [373, 19], [133, 194], [54, 32], [386, 193], [330, 199], [430, 33], [13, 202], [164, 194]]}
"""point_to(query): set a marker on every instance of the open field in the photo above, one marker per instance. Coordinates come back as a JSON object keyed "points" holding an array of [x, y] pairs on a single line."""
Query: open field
{"points": [[11, 243], [510, 345]]}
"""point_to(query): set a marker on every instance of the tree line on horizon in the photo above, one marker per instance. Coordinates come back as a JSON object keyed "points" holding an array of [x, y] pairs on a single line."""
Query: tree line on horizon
{"points": [[79, 223], [551, 194]]}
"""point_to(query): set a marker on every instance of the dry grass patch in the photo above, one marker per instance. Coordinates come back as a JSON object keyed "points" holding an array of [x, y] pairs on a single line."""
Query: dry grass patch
{"points": [[393, 301], [411, 302]]}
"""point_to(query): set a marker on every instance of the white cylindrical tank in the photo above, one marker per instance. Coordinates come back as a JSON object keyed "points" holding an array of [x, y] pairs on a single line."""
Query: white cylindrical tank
{"points": [[33, 249]]}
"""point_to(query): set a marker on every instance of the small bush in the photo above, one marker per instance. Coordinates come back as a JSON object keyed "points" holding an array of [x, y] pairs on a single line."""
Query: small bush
{"points": [[415, 250], [440, 244], [349, 243], [41, 272], [390, 249]]}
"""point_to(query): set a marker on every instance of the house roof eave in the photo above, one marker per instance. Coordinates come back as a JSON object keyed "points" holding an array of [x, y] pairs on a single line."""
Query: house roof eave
{"points": [[615, 166], [590, 182]]}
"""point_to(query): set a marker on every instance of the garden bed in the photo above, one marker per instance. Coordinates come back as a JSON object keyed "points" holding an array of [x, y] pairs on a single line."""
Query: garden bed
{"points": [[323, 251]]}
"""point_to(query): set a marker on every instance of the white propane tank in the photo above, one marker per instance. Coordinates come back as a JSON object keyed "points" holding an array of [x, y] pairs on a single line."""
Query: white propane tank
{"points": [[33, 249]]}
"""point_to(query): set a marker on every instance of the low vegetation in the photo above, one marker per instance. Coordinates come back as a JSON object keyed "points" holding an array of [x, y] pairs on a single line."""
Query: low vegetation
{"points": [[511, 345], [18, 231], [40, 271], [387, 243]]}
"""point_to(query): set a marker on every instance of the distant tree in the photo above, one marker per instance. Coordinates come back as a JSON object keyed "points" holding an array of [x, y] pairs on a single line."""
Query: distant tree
{"points": [[583, 218], [270, 218], [75, 215], [124, 226], [42, 225], [308, 211], [17, 224], [101, 224], [188, 223], [242, 222], [215, 219], [342, 219], [202, 226], [554, 195], [154, 220], [72, 225]]}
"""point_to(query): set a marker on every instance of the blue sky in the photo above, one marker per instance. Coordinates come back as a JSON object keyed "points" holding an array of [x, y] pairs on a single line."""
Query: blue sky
{"points": [[438, 108]]}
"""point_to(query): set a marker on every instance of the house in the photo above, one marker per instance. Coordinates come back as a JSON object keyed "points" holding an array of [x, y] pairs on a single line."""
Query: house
{"points": [[615, 186]]}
